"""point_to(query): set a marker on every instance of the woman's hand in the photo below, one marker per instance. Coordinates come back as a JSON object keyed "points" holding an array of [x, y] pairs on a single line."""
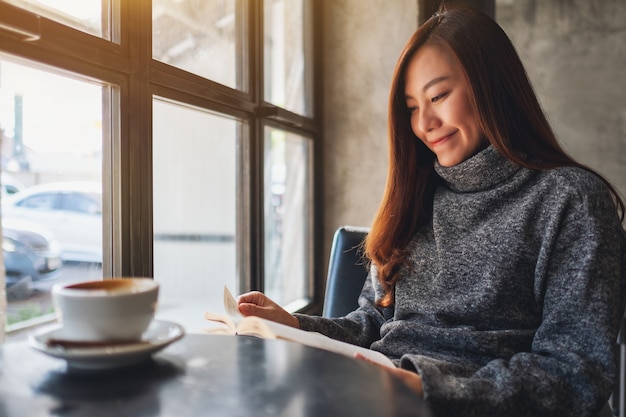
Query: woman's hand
{"points": [[258, 304], [410, 379]]}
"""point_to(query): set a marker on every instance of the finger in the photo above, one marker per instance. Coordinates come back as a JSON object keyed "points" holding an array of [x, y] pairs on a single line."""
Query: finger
{"points": [[250, 309], [253, 297]]}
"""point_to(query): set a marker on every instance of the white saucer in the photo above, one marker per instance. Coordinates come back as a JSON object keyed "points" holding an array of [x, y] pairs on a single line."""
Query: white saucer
{"points": [[159, 334]]}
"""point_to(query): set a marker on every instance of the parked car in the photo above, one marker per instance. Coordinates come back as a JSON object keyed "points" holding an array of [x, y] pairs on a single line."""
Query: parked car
{"points": [[30, 253], [72, 211]]}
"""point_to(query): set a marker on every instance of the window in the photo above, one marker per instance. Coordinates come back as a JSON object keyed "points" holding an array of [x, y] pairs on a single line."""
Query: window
{"points": [[287, 215], [176, 135], [44, 145], [195, 207], [202, 37], [287, 55], [90, 16]]}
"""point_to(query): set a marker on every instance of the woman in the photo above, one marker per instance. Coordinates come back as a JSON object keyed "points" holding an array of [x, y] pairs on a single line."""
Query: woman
{"points": [[496, 259]]}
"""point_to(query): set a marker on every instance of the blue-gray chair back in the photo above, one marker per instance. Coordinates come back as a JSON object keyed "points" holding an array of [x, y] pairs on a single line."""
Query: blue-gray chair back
{"points": [[346, 271]]}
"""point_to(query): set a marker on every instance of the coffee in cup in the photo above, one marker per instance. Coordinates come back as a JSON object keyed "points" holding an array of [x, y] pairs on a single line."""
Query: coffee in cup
{"points": [[116, 310]]}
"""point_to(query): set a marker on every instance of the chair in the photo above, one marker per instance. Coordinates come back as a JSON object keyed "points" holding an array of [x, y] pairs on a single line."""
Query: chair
{"points": [[346, 271]]}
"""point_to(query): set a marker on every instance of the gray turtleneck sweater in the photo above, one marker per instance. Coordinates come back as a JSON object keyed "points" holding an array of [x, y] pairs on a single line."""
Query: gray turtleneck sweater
{"points": [[510, 304]]}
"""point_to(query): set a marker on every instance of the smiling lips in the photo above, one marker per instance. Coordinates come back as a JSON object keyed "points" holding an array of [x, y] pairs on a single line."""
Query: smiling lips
{"points": [[442, 139]]}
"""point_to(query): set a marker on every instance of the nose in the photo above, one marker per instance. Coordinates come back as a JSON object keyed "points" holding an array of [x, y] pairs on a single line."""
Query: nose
{"points": [[427, 120]]}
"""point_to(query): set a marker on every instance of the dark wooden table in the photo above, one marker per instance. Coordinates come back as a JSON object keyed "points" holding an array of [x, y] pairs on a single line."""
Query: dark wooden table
{"points": [[205, 375]]}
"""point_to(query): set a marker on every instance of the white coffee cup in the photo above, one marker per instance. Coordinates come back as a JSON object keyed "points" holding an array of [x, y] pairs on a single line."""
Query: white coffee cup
{"points": [[117, 309]]}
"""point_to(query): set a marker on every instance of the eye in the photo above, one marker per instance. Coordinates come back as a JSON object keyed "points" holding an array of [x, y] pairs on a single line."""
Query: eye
{"points": [[438, 97], [412, 109]]}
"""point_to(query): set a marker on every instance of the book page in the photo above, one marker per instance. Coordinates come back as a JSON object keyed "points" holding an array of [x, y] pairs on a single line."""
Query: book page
{"points": [[230, 304], [259, 327], [318, 340], [256, 326], [223, 324]]}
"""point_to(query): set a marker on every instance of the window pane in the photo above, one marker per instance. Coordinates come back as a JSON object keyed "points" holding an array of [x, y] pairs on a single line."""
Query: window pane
{"points": [[201, 37], [51, 133], [194, 172], [91, 16], [287, 214], [287, 64]]}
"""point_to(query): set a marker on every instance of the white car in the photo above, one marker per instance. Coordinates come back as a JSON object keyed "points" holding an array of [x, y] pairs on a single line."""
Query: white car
{"points": [[72, 211]]}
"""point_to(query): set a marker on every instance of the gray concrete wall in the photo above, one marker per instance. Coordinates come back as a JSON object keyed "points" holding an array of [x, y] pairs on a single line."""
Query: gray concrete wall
{"points": [[362, 41], [575, 55]]}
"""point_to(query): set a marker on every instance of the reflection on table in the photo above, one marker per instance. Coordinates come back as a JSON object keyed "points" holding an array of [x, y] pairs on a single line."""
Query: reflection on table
{"points": [[205, 375]]}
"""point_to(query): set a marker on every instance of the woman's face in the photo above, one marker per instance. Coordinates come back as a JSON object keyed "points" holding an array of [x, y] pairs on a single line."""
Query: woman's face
{"points": [[438, 98]]}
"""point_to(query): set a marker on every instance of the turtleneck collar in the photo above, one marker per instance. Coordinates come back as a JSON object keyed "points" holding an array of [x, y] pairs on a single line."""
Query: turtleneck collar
{"points": [[480, 172]]}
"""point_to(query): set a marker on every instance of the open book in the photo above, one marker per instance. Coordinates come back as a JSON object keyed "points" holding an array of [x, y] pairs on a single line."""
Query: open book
{"points": [[234, 323]]}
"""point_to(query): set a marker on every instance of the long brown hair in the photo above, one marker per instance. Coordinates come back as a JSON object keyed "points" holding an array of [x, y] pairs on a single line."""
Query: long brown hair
{"points": [[508, 113]]}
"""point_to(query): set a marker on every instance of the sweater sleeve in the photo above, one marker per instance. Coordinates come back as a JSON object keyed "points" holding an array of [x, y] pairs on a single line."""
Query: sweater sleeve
{"points": [[360, 327], [572, 364]]}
